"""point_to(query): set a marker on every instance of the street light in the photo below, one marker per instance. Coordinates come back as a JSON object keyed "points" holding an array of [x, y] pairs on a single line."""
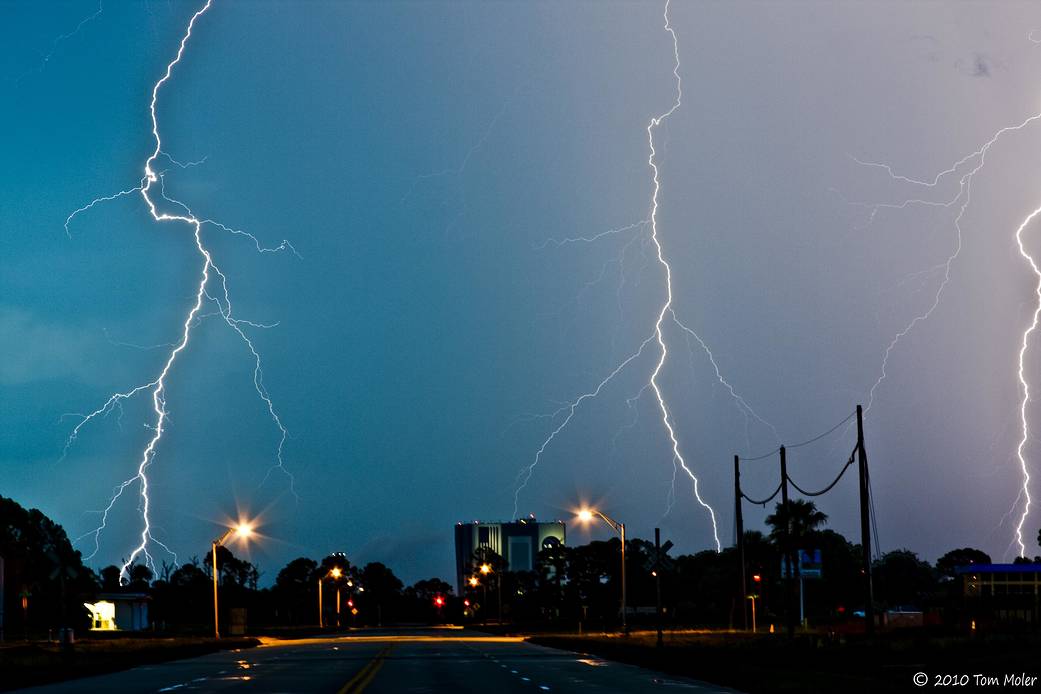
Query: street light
{"points": [[586, 515], [333, 573], [757, 579], [486, 569], [474, 582], [243, 531]]}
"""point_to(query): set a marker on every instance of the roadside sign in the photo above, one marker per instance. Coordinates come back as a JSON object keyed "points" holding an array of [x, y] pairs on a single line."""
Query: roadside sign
{"points": [[661, 561], [809, 565]]}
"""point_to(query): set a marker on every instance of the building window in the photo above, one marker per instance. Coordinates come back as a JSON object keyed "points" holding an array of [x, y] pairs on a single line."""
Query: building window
{"points": [[520, 554]]}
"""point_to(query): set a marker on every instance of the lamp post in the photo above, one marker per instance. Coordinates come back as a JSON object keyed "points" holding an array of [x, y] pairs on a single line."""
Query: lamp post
{"points": [[474, 582], [242, 530], [334, 573], [586, 515], [757, 580], [486, 569]]}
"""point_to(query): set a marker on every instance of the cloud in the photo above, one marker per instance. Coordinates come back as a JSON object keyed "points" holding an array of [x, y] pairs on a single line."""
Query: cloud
{"points": [[36, 350], [979, 66]]}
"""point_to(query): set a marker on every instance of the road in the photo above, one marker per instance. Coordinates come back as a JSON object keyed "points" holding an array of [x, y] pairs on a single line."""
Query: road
{"points": [[383, 662]]}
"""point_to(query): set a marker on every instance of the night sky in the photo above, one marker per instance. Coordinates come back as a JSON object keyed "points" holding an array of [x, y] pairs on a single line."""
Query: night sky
{"points": [[426, 160]]}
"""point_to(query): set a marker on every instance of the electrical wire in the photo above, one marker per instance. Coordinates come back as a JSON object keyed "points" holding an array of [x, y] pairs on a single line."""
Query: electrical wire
{"points": [[765, 501], [807, 442], [830, 486]]}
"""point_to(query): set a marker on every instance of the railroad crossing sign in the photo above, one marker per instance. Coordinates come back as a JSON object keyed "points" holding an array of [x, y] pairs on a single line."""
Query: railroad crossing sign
{"points": [[662, 562]]}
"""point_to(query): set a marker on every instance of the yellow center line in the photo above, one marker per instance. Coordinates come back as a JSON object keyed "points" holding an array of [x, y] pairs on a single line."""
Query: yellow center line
{"points": [[364, 677]]}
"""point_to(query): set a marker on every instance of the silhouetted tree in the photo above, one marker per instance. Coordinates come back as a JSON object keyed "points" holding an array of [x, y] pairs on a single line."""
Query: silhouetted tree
{"points": [[139, 577], [294, 592], [791, 523], [110, 578], [40, 562], [946, 564], [901, 578], [379, 602]]}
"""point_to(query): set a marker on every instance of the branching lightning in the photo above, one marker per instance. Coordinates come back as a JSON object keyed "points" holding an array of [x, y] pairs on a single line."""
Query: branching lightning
{"points": [[44, 60], [677, 456], [221, 300], [1026, 386], [962, 201], [665, 312]]}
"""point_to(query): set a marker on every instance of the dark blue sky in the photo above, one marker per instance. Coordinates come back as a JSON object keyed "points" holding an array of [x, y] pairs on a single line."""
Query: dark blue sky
{"points": [[418, 156]]}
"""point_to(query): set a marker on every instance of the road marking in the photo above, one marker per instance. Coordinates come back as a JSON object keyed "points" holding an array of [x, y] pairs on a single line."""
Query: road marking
{"points": [[363, 678]]}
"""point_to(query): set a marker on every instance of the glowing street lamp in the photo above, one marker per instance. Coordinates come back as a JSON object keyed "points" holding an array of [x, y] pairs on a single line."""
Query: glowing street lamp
{"points": [[486, 569], [243, 531], [334, 573], [757, 579], [587, 515]]}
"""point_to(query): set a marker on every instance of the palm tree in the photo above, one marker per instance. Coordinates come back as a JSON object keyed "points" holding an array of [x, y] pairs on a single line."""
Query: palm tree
{"points": [[792, 521], [790, 524]]}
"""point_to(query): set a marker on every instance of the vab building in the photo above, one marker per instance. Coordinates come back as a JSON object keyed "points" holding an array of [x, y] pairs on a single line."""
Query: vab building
{"points": [[517, 542]]}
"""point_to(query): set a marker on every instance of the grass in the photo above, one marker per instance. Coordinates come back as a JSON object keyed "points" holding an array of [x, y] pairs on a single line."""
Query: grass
{"points": [[25, 664], [774, 664]]}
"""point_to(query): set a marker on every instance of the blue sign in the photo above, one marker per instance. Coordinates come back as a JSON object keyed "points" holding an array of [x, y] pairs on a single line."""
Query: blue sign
{"points": [[809, 565]]}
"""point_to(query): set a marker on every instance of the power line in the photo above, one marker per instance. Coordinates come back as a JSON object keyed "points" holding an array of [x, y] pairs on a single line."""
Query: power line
{"points": [[834, 482], [807, 442], [765, 501]]}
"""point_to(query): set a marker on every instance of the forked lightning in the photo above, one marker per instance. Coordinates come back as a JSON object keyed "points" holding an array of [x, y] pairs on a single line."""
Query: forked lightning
{"points": [[204, 293]]}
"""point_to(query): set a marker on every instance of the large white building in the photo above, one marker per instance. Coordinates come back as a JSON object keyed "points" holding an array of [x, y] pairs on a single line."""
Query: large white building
{"points": [[517, 542]]}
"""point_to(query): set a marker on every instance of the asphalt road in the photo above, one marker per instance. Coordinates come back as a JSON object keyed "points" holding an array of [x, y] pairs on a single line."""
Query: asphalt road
{"points": [[432, 660]]}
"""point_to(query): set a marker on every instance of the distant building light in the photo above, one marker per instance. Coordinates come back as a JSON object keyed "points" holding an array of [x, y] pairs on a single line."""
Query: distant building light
{"points": [[102, 615]]}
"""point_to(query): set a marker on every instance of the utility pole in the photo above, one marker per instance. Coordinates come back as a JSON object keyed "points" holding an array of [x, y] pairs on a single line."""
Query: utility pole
{"points": [[657, 579], [320, 619], [740, 527], [865, 525], [789, 559], [216, 613], [625, 623]]}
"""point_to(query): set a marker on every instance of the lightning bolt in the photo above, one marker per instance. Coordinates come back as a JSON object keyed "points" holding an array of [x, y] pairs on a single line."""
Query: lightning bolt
{"points": [[1026, 386], [665, 312], [62, 38], [677, 456], [962, 201], [220, 298]]}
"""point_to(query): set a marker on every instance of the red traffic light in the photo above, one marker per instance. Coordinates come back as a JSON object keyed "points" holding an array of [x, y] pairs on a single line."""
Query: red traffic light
{"points": [[439, 600], [757, 578], [350, 603], [466, 603]]}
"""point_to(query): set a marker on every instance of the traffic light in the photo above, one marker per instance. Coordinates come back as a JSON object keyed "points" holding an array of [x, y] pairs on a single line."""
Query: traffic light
{"points": [[466, 603], [350, 603], [757, 578], [439, 600]]}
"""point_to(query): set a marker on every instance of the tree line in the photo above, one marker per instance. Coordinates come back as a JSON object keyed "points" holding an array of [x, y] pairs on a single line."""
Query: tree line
{"points": [[47, 583]]}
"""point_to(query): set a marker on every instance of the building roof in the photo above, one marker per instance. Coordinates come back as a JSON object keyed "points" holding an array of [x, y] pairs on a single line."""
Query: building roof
{"points": [[998, 569], [519, 521]]}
